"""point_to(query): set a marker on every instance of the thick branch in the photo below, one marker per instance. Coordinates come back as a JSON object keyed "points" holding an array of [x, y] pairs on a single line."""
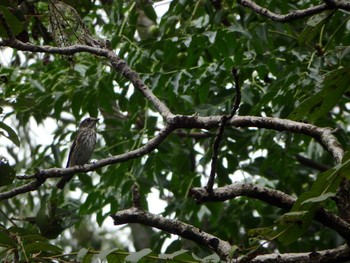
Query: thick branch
{"points": [[71, 50], [121, 66], [297, 14], [221, 194], [270, 196], [339, 254], [322, 135], [338, 4], [137, 215]]}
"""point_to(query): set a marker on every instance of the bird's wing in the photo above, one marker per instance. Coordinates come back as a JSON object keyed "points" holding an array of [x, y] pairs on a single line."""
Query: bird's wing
{"points": [[71, 151]]}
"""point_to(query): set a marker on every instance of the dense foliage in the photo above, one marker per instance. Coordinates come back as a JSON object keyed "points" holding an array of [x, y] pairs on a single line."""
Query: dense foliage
{"points": [[297, 70]]}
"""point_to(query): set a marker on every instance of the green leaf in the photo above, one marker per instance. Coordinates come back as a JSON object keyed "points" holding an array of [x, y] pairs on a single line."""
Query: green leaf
{"points": [[136, 256], [215, 258], [82, 252], [11, 134], [319, 199], [344, 169], [263, 232], [6, 240], [319, 18], [291, 217], [150, 12], [41, 246], [104, 253], [294, 224], [88, 258], [314, 25], [334, 86], [15, 25], [117, 256], [7, 174], [174, 255]]}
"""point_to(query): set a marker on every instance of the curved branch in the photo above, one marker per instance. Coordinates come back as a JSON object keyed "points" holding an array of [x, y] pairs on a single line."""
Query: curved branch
{"points": [[339, 254], [138, 215], [121, 66], [42, 175], [31, 186], [270, 196], [274, 197], [117, 63], [323, 135], [298, 14], [338, 4]]}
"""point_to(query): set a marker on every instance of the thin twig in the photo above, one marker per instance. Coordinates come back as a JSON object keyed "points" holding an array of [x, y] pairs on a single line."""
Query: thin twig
{"points": [[214, 158], [311, 163], [238, 96], [220, 132], [136, 199]]}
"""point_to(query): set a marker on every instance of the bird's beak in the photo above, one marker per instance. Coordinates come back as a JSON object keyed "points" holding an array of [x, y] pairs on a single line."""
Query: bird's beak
{"points": [[95, 119]]}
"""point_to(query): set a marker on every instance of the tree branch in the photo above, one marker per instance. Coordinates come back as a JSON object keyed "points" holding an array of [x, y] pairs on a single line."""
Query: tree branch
{"points": [[345, 5], [270, 196], [298, 14], [214, 158], [339, 254], [31, 186], [137, 215], [312, 164], [274, 197], [42, 175], [121, 66]]}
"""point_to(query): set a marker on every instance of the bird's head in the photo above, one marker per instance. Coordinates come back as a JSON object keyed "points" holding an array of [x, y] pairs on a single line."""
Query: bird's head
{"points": [[88, 123]]}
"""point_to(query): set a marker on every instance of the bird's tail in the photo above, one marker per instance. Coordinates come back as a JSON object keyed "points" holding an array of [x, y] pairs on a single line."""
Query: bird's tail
{"points": [[65, 179]]}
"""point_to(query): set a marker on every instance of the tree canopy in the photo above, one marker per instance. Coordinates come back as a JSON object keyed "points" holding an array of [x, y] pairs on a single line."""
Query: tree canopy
{"points": [[235, 113]]}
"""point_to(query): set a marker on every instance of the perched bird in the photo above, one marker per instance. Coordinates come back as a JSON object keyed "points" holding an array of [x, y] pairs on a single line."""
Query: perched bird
{"points": [[82, 148]]}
